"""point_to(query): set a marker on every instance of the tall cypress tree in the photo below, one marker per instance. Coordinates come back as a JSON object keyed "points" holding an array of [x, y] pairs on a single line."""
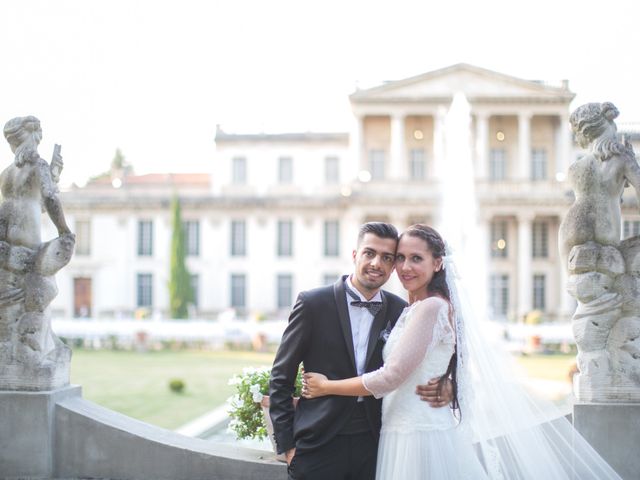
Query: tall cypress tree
{"points": [[180, 291]]}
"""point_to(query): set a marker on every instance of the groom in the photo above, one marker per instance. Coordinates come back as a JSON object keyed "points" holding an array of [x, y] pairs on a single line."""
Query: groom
{"points": [[339, 331]]}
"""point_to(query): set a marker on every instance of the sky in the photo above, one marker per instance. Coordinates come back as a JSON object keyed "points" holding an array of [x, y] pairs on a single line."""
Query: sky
{"points": [[154, 77]]}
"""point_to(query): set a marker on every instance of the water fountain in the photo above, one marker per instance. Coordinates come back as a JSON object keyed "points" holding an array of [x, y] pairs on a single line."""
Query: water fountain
{"points": [[458, 220]]}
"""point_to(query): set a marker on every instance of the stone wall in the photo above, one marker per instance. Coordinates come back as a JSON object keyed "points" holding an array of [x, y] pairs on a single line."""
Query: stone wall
{"points": [[58, 434]]}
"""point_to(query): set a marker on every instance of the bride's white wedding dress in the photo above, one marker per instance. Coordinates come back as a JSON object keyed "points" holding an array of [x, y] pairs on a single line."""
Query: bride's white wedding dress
{"points": [[504, 433], [417, 441]]}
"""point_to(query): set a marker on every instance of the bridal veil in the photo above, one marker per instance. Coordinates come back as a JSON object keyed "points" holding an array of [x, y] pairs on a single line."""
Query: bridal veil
{"points": [[515, 435]]}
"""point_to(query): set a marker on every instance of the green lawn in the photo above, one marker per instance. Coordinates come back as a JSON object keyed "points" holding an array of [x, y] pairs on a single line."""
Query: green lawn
{"points": [[548, 367], [137, 384]]}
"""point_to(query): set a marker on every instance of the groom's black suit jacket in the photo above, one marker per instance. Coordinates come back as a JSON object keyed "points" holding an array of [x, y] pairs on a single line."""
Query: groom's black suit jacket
{"points": [[319, 335]]}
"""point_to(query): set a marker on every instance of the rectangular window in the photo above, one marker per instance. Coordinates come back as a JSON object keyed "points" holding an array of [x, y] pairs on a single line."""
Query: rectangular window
{"points": [[82, 297], [499, 230], [285, 290], [418, 218], [83, 237], [331, 238], [239, 170], [631, 228], [145, 290], [330, 278], [194, 279], [499, 295], [539, 291], [238, 290], [285, 238], [285, 170], [331, 170], [238, 238], [145, 238], [417, 164], [540, 239], [376, 218], [538, 164], [497, 164], [376, 164], [192, 237]]}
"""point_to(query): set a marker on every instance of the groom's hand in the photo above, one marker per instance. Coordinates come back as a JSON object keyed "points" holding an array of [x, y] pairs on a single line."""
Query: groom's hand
{"points": [[313, 385], [289, 454], [429, 393]]}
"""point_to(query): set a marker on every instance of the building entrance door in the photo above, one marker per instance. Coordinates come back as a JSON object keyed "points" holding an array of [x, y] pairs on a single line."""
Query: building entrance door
{"points": [[81, 297]]}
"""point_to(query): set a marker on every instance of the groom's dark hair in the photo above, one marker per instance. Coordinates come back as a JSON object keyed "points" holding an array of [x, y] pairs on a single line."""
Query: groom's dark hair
{"points": [[379, 229]]}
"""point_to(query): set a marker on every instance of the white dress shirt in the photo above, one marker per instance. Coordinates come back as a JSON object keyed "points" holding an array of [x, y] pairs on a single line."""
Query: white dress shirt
{"points": [[361, 320]]}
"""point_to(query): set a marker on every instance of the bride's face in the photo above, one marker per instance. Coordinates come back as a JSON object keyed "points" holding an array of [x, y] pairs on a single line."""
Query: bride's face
{"points": [[415, 265]]}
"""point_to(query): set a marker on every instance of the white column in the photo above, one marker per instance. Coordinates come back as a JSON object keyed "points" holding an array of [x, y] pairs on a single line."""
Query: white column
{"points": [[524, 146], [564, 136], [356, 163], [482, 145], [438, 142], [525, 280], [397, 170], [481, 274]]}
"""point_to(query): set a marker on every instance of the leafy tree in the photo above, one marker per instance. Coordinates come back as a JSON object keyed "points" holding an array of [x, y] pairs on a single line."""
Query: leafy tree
{"points": [[119, 165], [180, 291], [118, 160]]}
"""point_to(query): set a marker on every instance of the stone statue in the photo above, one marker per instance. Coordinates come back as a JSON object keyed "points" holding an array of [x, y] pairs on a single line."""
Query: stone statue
{"points": [[31, 356], [604, 276], [598, 178]]}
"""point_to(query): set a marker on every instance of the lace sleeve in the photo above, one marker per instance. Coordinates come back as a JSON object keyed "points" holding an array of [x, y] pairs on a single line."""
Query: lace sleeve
{"points": [[424, 328]]}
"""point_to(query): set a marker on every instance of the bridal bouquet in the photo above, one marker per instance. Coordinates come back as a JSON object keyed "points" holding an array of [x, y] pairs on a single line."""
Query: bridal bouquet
{"points": [[246, 412]]}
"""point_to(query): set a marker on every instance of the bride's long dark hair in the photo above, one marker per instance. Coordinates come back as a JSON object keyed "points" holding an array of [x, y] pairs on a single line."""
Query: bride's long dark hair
{"points": [[438, 287]]}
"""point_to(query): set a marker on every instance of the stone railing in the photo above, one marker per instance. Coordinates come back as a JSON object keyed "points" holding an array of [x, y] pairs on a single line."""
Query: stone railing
{"points": [[58, 434]]}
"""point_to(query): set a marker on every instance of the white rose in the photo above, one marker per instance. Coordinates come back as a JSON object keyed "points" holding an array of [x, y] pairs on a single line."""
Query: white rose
{"points": [[255, 390]]}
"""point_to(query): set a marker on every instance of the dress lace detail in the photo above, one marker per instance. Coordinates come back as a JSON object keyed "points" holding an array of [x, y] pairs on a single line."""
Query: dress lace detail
{"points": [[418, 441], [419, 349]]}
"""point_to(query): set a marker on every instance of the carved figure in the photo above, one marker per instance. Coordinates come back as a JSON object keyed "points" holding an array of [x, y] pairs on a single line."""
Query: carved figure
{"points": [[26, 185], [603, 274], [598, 178], [31, 356]]}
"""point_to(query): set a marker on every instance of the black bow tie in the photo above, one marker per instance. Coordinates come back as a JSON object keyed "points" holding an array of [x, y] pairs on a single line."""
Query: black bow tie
{"points": [[373, 307]]}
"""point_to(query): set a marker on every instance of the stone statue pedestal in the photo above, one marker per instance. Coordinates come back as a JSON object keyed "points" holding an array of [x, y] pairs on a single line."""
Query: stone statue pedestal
{"points": [[26, 435], [622, 391], [614, 431], [21, 377]]}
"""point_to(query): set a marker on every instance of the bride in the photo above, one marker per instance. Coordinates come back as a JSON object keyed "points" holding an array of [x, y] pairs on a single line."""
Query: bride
{"points": [[494, 430]]}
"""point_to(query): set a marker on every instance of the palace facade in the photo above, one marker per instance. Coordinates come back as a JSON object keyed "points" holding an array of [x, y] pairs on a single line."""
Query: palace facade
{"points": [[280, 212]]}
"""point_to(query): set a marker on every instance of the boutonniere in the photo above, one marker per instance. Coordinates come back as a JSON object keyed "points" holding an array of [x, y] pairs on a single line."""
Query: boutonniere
{"points": [[384, 334]]}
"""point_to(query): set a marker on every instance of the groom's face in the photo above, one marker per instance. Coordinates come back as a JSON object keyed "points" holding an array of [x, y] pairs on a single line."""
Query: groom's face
{"points": [[374, 262]]}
